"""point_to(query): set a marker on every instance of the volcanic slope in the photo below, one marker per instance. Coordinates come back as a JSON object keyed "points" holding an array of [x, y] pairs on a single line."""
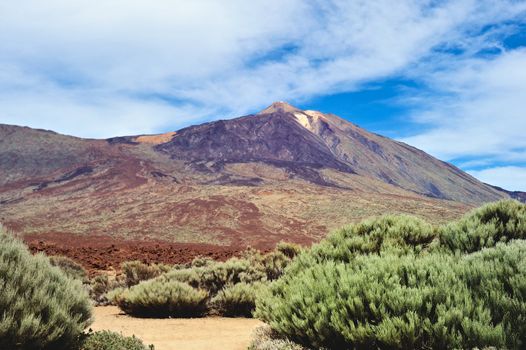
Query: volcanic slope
{"points": [[281, 174]]}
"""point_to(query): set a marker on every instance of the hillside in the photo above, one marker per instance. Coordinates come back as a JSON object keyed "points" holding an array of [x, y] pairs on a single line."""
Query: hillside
{"points": [[281, 174]]}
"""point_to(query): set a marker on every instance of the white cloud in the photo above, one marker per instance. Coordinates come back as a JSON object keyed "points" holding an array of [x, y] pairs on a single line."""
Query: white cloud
{"points": [[476, 116], [99, 69], [508, 177], [481, 113]]}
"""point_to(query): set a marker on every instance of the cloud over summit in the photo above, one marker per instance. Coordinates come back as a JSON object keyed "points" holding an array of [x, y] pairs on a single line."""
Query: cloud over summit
{"points": [[120, 67]]}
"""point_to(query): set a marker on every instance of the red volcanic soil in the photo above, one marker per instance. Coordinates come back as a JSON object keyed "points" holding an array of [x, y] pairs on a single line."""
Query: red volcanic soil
{"points": [[102, 253]]}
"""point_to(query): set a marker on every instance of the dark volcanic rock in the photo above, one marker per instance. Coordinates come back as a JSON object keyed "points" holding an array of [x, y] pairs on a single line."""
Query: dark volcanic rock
{"points": [[270, 138]]}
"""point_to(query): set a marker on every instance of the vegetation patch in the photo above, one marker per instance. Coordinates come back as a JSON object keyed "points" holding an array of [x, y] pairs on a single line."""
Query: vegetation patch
{"points": [[399, 283], [106, 340], [206, 286], [40, 306], [264, 338], [485, 227], [69, 267], [237, 300], [158, 298], [137, 271]]}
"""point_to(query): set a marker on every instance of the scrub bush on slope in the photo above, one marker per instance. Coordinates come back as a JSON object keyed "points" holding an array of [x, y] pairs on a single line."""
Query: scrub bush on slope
{"points": [[226, 288], [69, 267], [158, 298], [485, 226], [237, 300], [40, 307], [394, 283], [405, 302]]}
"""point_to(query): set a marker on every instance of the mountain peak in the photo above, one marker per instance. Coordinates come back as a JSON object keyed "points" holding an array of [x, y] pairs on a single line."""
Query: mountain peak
{"points": [[279, 106]]}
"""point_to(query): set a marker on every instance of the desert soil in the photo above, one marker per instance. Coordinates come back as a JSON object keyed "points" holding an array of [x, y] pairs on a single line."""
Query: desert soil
{"points": [[179, 334]]}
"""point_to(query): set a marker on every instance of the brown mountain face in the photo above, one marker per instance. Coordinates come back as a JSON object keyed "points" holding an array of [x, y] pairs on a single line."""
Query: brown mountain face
{"points": [[281, 174], [307, 142]]}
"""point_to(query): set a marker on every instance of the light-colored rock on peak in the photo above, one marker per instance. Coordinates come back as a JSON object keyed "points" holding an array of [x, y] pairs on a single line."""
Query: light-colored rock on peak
{"points": [[280, 106]]}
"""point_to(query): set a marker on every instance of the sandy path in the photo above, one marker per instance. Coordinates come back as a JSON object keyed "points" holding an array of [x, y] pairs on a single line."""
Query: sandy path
{"points": [[179, 334]]}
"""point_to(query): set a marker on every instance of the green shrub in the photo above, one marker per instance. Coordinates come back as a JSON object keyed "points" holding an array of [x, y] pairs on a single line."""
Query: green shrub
{"points": [[290, 250], [390, 301], [236, 300], [395, 234], [69, 267], [224, 286], [202, 261], [498, 276], [213, 277], [137, 271], [484, 227], [398, 234], [40, 307], [113, 297], [106, 340], [163, 298], [274, 264], [264, 338], [99, 287]]}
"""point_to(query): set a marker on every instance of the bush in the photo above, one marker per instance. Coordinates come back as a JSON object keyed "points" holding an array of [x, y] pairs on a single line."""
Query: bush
{"points": [[290, 250], [40, 307], [69, 267], [213, 277], [486, 226], [224, 286], [388, 233], [106, 340], [412, 301], [136, 271], [264, 338], [202, 261], [100, 286], [498, 276], [113, 297], [163, 298], [395, 234], [274, 264], [236, 300]]}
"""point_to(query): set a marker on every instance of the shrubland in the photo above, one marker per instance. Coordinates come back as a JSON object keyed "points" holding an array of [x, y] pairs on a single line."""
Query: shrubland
{"points": [[45, 306], [393, 282], [158, 298], [485, 227], [206, 286], [136, 271], [397, 282], [41, 307]]}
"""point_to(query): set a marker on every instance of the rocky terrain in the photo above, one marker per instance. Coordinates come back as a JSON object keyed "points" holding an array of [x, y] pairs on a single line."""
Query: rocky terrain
{"points": [[281, 174]]}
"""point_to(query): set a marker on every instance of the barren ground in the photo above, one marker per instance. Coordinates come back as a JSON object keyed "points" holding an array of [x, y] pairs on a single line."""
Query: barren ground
{"points": [[179, 334]]}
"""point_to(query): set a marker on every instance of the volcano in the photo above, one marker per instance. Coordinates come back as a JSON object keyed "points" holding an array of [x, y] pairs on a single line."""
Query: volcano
{"points": [[281, 174]]}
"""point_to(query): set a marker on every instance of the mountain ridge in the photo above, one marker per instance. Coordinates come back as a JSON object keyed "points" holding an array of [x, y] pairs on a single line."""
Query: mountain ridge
{"points": [[280, 174]]}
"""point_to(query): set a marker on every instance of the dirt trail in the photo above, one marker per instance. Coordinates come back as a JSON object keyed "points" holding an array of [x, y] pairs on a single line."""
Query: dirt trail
{"points": [[209, 333]]}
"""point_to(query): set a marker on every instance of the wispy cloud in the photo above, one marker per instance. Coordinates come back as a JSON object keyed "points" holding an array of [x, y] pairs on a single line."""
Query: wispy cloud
{"points": [[127, 67], [66, 63], [509, 177], [475, 109], [475, 116]]}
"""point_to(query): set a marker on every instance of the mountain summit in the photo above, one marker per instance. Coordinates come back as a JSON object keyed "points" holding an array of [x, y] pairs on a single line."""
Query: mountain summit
{"points": [[307, 143], [281, 174], [279, 106]]}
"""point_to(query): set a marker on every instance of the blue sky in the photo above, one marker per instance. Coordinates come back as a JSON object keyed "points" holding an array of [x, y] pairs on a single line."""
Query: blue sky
{"points": [[448, 77]]}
